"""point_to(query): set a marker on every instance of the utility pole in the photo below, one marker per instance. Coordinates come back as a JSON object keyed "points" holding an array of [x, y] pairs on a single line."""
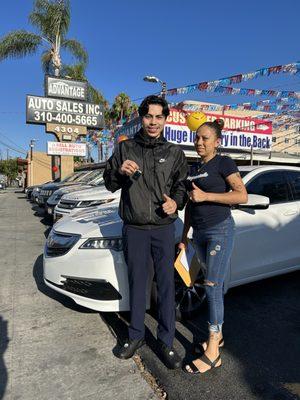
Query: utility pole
{"points": [[31, 148], [31, 145], [7, 154]]}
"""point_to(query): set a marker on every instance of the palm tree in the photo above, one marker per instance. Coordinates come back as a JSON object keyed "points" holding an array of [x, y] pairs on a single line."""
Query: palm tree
{"points": [[52, 20], [77, 72], [120, 107]]}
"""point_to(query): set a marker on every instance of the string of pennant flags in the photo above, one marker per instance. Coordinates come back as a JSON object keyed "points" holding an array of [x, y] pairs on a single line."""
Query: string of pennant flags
{"points": [[228, 90], [258, 106], [210, 86]]}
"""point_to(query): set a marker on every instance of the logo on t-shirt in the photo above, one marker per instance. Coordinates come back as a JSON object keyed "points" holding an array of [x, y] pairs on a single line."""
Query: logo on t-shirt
{"points": [[192, 178]]}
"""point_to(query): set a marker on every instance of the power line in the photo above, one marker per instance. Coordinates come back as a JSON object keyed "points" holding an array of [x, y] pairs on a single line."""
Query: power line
{"points": [[15, 144], [11, 148]]}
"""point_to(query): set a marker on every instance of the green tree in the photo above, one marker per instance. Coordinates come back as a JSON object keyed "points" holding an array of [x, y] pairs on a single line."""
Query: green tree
{"points": [[77, 72], [51, 18], [9, 168], [121, 107]]}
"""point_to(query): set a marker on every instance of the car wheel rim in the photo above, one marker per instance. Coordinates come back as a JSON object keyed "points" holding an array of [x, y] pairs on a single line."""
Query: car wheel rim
{"points": [[188, 299]]}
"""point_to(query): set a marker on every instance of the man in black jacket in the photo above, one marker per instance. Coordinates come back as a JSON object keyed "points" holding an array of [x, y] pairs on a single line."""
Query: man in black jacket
{"points": [[151, 173]]}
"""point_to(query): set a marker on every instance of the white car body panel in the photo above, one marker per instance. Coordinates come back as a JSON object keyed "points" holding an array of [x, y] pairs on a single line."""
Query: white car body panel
{"points": [[88, 194]]}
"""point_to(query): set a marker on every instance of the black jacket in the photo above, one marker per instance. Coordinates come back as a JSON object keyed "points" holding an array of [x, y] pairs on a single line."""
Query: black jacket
{"points": [[164, 169]]}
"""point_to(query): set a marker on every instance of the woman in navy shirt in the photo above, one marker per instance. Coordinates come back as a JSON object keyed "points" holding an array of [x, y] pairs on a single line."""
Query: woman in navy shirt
{"points": [[214, 186]]}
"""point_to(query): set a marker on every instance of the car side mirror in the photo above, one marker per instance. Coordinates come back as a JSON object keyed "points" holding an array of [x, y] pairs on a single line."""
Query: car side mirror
{"points": [[255, 202]]}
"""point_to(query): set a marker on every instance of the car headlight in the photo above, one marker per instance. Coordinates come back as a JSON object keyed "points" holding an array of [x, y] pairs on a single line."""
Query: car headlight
{"points": [[115, 243], [62, 239], [90, 203]]}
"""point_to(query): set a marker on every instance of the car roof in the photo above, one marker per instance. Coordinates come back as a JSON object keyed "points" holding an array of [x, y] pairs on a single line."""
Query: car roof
{"points": [[266, 167]]}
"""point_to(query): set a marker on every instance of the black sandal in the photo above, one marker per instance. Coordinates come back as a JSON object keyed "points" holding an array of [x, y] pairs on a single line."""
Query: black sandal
{"points": [[198, 348], [207, 361]]}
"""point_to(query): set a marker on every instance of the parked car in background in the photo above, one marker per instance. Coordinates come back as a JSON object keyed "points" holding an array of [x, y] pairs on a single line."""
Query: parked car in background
{"points": [[47, 189], [93, 179], [29, 191], [86, 199], [83, 255]]}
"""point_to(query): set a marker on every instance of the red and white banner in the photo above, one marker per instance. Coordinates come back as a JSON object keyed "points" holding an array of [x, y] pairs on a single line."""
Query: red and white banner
{"points": [[238, 132], [66, 149]]}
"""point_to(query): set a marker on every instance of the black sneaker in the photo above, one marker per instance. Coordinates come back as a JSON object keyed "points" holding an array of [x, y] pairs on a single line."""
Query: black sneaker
{"points": [[169, 356], [129, 348]]}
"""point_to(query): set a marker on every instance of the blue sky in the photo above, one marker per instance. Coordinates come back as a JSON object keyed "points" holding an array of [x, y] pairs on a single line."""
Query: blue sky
{"points": [[180, 42]]}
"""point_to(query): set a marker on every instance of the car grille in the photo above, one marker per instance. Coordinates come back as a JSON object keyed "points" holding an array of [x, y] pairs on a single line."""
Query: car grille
{"points": [[68, 204], [93, 289], [46, 192], [56, 251]]}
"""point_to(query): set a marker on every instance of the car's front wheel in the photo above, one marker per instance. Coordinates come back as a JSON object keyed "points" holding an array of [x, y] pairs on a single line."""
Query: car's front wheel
{"points": [[188, 300]]}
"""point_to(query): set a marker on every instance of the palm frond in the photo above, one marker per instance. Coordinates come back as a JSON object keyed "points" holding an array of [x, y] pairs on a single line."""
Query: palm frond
{"points": [[74, 47], [59, 15], [76, 71], [18, 44], [95, 96], [51, 17]]}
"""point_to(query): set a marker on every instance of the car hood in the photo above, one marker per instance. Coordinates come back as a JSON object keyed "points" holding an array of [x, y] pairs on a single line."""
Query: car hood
{"points": [[95, 222], [102, 221], [95, 193], [55, 186], [67, 189]]}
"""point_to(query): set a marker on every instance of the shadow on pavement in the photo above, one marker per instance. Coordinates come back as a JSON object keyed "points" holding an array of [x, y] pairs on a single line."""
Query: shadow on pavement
{"points": [[3, 346], [43, 288], [261, 357]]}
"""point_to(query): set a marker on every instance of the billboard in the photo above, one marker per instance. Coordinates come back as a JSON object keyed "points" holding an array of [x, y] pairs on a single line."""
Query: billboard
{"points": [[238, 133], [241, 133], [43, 110], [66, 149]]}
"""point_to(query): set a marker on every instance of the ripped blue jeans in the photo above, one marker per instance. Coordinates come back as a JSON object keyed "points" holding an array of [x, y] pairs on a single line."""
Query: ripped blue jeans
{"points": [[214, 247]]}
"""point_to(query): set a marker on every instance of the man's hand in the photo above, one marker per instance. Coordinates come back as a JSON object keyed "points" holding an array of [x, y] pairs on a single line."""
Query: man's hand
{"points": [[197, 195], [169, 206], [128, 168]]}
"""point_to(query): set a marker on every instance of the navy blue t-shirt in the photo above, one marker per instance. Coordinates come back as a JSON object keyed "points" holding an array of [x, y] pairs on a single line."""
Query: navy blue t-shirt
{"points": [[210, 177]]}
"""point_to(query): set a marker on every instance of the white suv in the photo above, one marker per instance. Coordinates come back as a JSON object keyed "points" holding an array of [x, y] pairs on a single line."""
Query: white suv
{"points": [[83, 256]]}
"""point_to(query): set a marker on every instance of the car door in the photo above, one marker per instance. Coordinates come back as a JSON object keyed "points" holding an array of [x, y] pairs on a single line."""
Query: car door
{"points": [[266, 240]]}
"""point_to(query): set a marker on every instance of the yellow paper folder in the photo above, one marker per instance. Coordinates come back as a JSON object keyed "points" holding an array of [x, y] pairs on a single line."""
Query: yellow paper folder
{"points": [[187, 265]]}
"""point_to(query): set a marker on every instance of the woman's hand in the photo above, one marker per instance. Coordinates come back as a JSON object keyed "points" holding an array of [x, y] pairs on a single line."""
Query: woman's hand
{"points": [[197, 195], [183, 244]]}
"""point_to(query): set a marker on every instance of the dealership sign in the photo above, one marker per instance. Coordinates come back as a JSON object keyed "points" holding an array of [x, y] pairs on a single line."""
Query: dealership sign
{"points": [[66, 149], [43, 110], [66, 88], [241, 133]]}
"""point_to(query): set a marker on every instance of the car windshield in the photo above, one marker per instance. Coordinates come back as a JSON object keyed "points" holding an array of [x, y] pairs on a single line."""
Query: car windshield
{"points": [[91, 176], [98, 179], [73, 177]]}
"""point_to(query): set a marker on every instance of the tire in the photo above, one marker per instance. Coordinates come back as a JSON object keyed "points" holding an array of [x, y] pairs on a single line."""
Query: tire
{"points": [[188, 300]]}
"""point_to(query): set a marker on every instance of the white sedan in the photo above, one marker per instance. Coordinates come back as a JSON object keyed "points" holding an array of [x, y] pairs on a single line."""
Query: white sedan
{"points": [[83, 256]]}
